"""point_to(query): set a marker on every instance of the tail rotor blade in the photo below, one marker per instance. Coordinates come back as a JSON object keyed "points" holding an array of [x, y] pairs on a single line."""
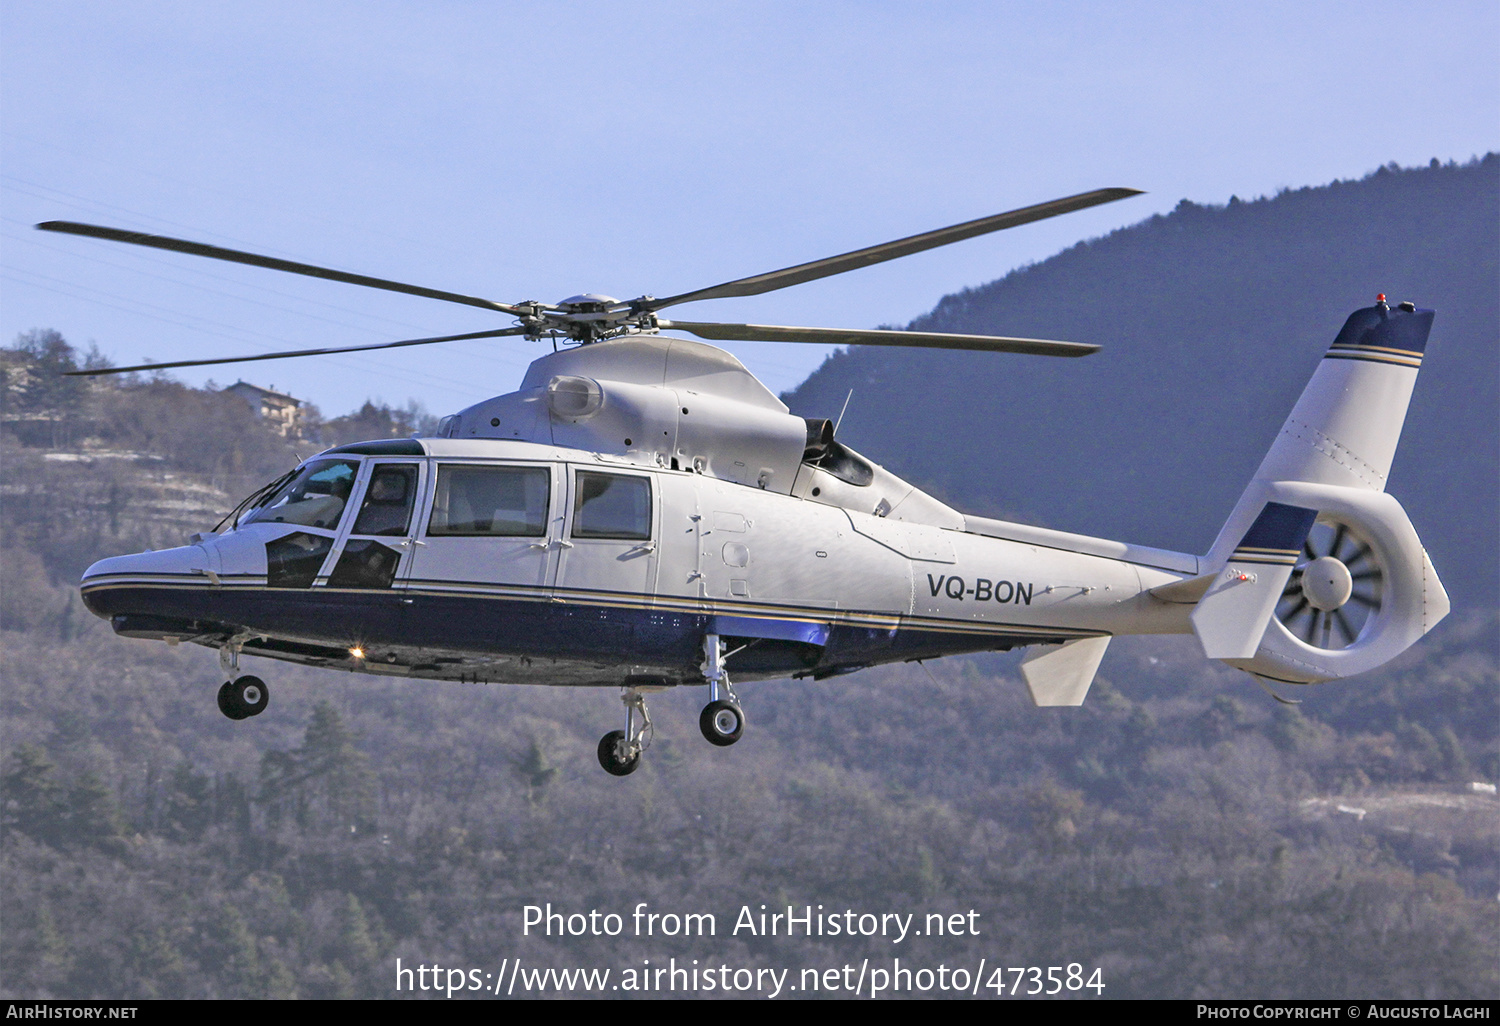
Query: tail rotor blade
{"points": [[1312, 627], [1361, 553], [1343, 623], [1338, 541]]}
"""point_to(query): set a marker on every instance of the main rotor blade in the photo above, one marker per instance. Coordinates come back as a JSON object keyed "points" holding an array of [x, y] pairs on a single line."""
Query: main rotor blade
{"points": [[256, 260], [787, 276], [857, 337], [297, 352]]}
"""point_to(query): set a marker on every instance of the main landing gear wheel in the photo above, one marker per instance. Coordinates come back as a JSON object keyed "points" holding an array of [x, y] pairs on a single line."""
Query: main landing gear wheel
{"points": [[722, 723], [244, 697], [616, 755]]}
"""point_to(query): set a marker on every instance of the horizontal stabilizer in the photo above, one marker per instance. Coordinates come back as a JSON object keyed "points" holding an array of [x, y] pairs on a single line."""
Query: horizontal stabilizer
{"points": [[1232, 616], [1061, 674]]}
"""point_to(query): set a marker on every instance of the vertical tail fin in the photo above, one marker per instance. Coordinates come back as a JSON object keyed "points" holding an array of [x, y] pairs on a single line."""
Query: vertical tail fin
{"points": [[1344, 429], [1362, 589]]}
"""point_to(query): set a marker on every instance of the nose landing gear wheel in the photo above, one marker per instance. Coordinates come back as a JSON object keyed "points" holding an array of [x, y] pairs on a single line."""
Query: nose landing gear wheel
{"points": [[244, 697], [620, 750], [722, 723], [227, 703], [611, 747]]}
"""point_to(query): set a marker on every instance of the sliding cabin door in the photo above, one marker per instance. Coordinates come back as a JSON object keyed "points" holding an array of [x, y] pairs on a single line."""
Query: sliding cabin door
{"points": [[482, 557]]}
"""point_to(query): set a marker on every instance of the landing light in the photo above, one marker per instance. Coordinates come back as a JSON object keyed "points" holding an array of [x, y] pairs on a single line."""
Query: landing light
{"points": [[357, 653]]}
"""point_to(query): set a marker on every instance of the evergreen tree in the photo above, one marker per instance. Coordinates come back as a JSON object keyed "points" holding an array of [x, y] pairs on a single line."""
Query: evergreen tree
{"points": [[31, 799]]}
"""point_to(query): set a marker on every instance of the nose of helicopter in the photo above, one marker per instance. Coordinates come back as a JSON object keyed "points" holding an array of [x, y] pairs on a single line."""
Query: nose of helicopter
{"points": [[167, 566]]}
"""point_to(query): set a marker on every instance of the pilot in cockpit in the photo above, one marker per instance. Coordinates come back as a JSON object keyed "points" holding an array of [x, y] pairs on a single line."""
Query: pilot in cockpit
{"points": [[317, 510]]}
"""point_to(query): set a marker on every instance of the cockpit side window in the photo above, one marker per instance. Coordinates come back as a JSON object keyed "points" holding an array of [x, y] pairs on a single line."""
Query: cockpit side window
{"points": [[316, 497], [386, 509]]}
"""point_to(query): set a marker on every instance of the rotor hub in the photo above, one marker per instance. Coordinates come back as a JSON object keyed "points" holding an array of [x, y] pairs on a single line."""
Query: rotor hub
{"points": [[1327, 583], [589, 302]]}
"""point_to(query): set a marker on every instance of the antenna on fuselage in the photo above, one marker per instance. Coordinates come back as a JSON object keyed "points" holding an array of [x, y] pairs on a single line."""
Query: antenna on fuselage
{"points": [[841, 412]]}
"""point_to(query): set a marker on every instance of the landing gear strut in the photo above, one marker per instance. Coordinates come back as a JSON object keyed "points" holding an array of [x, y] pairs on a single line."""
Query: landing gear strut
{"points": [[722, 721], [240, 697], [620, 750]]}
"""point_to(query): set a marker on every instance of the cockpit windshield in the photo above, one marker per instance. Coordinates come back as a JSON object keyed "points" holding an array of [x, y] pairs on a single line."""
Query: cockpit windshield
{"points": [[315, 497]]}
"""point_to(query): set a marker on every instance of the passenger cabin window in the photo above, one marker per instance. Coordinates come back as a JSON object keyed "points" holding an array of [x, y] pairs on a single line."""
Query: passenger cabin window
{"points": [[490, 501], [612, 506], [316, 497], [388, 500]]}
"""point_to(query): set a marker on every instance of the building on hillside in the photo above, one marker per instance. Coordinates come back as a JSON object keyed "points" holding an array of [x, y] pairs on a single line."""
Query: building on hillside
{"points": [[15, 374], [278, 407]]}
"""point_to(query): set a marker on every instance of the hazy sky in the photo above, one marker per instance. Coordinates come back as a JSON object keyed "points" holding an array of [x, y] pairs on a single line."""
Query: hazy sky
{"points": [[537, 150]]}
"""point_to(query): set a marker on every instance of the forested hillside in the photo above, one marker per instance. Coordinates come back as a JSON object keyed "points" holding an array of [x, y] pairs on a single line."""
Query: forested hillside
{"points": [[1181, 832], [1212, 319]]}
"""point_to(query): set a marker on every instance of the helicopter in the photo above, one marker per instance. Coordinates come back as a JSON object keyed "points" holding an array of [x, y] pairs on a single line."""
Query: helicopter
{"points": [[642, 513]]}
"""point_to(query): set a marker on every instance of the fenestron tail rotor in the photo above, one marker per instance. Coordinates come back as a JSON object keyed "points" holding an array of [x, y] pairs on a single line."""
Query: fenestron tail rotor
{"points": [[1336, 589], [595, 318]]}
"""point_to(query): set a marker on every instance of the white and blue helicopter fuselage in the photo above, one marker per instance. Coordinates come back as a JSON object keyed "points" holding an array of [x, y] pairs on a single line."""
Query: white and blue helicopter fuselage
{"points": [[643, 514]]}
